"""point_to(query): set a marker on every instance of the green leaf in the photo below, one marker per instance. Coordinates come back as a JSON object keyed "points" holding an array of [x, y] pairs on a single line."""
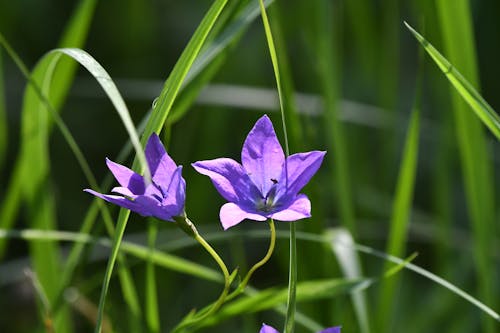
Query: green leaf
{"points": [[273, 297], [400, 218], [155, 123], [479, 106], [347, 257]]}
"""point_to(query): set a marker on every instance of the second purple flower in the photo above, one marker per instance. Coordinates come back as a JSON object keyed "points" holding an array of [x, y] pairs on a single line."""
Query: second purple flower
{"points": [[164, 198], [265, 184]]}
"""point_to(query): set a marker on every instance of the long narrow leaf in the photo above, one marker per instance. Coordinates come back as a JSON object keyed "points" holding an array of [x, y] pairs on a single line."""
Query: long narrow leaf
{"points": [[3, 116], [350, 264], [481, 108], [155, 123], [400, 215]]}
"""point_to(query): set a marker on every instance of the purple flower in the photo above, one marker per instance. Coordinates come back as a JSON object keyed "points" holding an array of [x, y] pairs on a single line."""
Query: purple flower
{"points": [[268, 329], [265, 185], [163, 198]]}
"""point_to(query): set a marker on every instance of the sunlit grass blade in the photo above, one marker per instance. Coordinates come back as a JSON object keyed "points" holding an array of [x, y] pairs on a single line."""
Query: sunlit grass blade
{"points": [[396, 260], [292, 276], [36, 189], [160, 112], [456, 25], [128, 288], [350, 264], [74, 36], [229, 35], [212, 58], [152, 315], [109, 87], [273, 297], [481, 108], [142, 252], [3, 116], [175, 80], [403, 198]]}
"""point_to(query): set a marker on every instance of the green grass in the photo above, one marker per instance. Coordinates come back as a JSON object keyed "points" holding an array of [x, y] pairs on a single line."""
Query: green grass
{"points": [[403, 234]]}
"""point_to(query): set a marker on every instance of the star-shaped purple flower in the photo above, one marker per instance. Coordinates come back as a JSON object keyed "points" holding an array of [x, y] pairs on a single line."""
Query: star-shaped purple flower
{"points": [[265, 185], [164, 198], [268, 329]]}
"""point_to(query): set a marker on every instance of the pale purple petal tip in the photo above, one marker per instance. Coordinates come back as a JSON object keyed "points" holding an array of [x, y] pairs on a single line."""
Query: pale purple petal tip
{"points": [[120, 201], [231, 214], [300, 208], [267, 329]]}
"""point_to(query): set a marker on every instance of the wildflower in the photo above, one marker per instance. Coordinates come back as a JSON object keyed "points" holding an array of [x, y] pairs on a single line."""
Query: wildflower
{"points": [[268, 329], [265, 185], [164, 198]]}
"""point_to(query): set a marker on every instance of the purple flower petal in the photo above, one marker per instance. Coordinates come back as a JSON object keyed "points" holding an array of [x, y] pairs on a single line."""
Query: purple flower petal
{"points": [[267, 329], [300, 208], [126, 177], [153, 207], [300, 168], [229, 179], [262, 156], [231, 214], [176, 194], [122, 202], [160, 163], [335, 329]]}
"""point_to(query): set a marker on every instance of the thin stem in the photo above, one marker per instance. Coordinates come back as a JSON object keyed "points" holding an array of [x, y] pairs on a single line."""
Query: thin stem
{"points": [[292, 283], [270, 250], [266, 258], [222, 265], [292, 280], [227, 282]]}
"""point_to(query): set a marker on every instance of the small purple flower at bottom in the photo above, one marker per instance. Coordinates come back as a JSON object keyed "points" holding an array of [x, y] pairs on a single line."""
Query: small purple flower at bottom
{"points": [[268, 329], [265, 184], [164, 198]]}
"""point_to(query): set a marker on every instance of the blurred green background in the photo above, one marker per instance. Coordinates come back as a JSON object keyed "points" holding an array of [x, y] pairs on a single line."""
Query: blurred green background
{"points": [[357, 73]]}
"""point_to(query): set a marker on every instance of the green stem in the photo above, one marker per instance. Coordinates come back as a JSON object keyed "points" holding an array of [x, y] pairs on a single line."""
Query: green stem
{"points": [[292, 283], [222, 265], [190, 229], [270, 250]]}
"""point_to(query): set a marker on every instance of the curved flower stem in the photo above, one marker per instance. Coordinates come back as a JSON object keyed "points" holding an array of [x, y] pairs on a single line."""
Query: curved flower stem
{"points": [[222, 265], [189, 228], [259, 264]]}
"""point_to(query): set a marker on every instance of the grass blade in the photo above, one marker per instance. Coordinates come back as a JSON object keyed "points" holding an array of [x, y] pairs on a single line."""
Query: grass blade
{"points": [[396, 260], [176, 79], [292, 277], [36, 189], [458, 36], [400, 215], [470, 95], [3, 116], [109, 87], [152, 315], [351, 268], [155, 123], [273, 297]]}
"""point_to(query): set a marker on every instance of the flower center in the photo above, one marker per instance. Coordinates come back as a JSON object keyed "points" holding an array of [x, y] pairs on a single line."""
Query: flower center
{"points": [[267, 204]]}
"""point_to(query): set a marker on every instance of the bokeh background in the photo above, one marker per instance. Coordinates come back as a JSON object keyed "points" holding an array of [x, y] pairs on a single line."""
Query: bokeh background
{"points": [[357, 74]]}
